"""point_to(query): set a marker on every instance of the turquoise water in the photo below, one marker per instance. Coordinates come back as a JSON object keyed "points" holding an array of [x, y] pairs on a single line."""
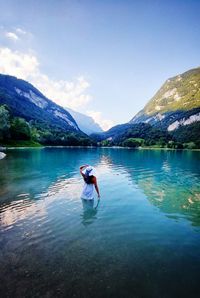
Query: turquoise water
{"points": [[142, 240]]}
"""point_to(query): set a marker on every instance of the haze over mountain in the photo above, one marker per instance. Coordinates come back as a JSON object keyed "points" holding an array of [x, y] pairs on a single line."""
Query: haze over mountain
{"points": [[85, 123]]}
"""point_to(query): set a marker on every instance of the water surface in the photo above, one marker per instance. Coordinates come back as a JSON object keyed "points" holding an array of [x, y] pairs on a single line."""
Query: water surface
{"points": [[142, 240]]}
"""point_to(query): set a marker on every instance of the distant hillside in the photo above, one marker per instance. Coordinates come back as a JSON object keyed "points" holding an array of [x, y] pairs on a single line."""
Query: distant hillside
{"points": [[29, 103], [112, 133], [142, 132], [170, 119], [85, 123], [176, 104], [25, 108]]}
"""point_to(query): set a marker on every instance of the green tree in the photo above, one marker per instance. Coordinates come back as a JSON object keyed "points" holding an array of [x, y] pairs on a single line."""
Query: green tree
{"points": [[106, 143], [190, 145], [179, 145], [197, 144], [20, 129], [4, 123], [131, 142]]}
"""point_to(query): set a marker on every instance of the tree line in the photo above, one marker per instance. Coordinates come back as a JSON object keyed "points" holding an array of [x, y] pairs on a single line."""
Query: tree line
{"points": [[16, 129], [146, 135]]}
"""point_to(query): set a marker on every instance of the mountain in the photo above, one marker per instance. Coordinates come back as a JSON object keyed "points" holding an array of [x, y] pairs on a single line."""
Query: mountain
{"points": [[171, 118], [176, 104], [25, 101], [142, 132], [85, 123], [113, 132]]}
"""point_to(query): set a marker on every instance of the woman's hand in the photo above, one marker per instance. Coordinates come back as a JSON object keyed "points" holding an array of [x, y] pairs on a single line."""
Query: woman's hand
{"points": [[81, 168], [84, 166]]}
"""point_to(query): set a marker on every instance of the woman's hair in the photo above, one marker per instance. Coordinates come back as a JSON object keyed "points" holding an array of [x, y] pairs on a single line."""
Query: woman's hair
{"points": [[88, 179]]}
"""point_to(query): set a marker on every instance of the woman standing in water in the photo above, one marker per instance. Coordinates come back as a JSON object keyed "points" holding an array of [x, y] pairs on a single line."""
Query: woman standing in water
{"points": [[88, 174]]}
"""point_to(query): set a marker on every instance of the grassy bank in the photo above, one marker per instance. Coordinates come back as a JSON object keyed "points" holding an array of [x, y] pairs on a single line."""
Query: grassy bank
{"points": [[31, 144], [13, 143]]}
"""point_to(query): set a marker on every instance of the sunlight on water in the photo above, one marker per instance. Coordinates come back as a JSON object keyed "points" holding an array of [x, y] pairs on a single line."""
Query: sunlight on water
{"points": [[141, 240]]}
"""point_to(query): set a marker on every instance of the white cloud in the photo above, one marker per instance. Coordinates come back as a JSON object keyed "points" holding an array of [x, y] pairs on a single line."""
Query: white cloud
{"points": [[65, 93], [97, 116], [70, 94], [21, 31], [16, 34], [17, 64], [12, 36]]}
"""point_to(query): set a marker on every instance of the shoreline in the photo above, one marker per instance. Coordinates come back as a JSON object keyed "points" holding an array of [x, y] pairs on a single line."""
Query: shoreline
{"points": [[93, 147]]}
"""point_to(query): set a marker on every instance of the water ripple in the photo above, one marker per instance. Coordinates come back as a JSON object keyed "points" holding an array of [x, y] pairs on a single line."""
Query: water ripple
{"points": [[148, 217]]}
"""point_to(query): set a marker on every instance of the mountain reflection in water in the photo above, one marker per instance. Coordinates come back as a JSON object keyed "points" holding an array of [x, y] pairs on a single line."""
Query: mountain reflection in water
{"points": [[169, 179]]}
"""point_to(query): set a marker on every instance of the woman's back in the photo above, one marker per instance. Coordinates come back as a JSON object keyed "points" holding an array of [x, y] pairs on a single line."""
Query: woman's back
{"points": [[88, 191]]}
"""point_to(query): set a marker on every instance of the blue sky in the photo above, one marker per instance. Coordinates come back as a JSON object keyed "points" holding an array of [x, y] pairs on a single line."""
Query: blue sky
{"points": [[103, 58]]}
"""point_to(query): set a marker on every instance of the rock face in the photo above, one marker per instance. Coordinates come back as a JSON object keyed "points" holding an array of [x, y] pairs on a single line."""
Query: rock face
{"points": [[184, 121], [2, 155], [27, 102], [85, 123], [176, 103]]}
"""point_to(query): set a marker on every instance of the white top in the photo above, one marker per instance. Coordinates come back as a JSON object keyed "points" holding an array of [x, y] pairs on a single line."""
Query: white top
{"points": [[88, 191]]}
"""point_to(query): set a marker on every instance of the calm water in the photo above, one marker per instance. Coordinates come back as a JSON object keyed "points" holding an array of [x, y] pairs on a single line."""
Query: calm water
{"points": [[143, 239]]}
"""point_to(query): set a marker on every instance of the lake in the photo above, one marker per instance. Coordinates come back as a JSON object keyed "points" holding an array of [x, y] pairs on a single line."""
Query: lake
{"points": [[142, 240]]}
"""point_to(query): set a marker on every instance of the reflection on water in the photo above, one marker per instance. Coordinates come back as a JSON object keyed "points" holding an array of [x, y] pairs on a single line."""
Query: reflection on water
{"points": [[89, 211], [170, 180], [142, 240]]}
